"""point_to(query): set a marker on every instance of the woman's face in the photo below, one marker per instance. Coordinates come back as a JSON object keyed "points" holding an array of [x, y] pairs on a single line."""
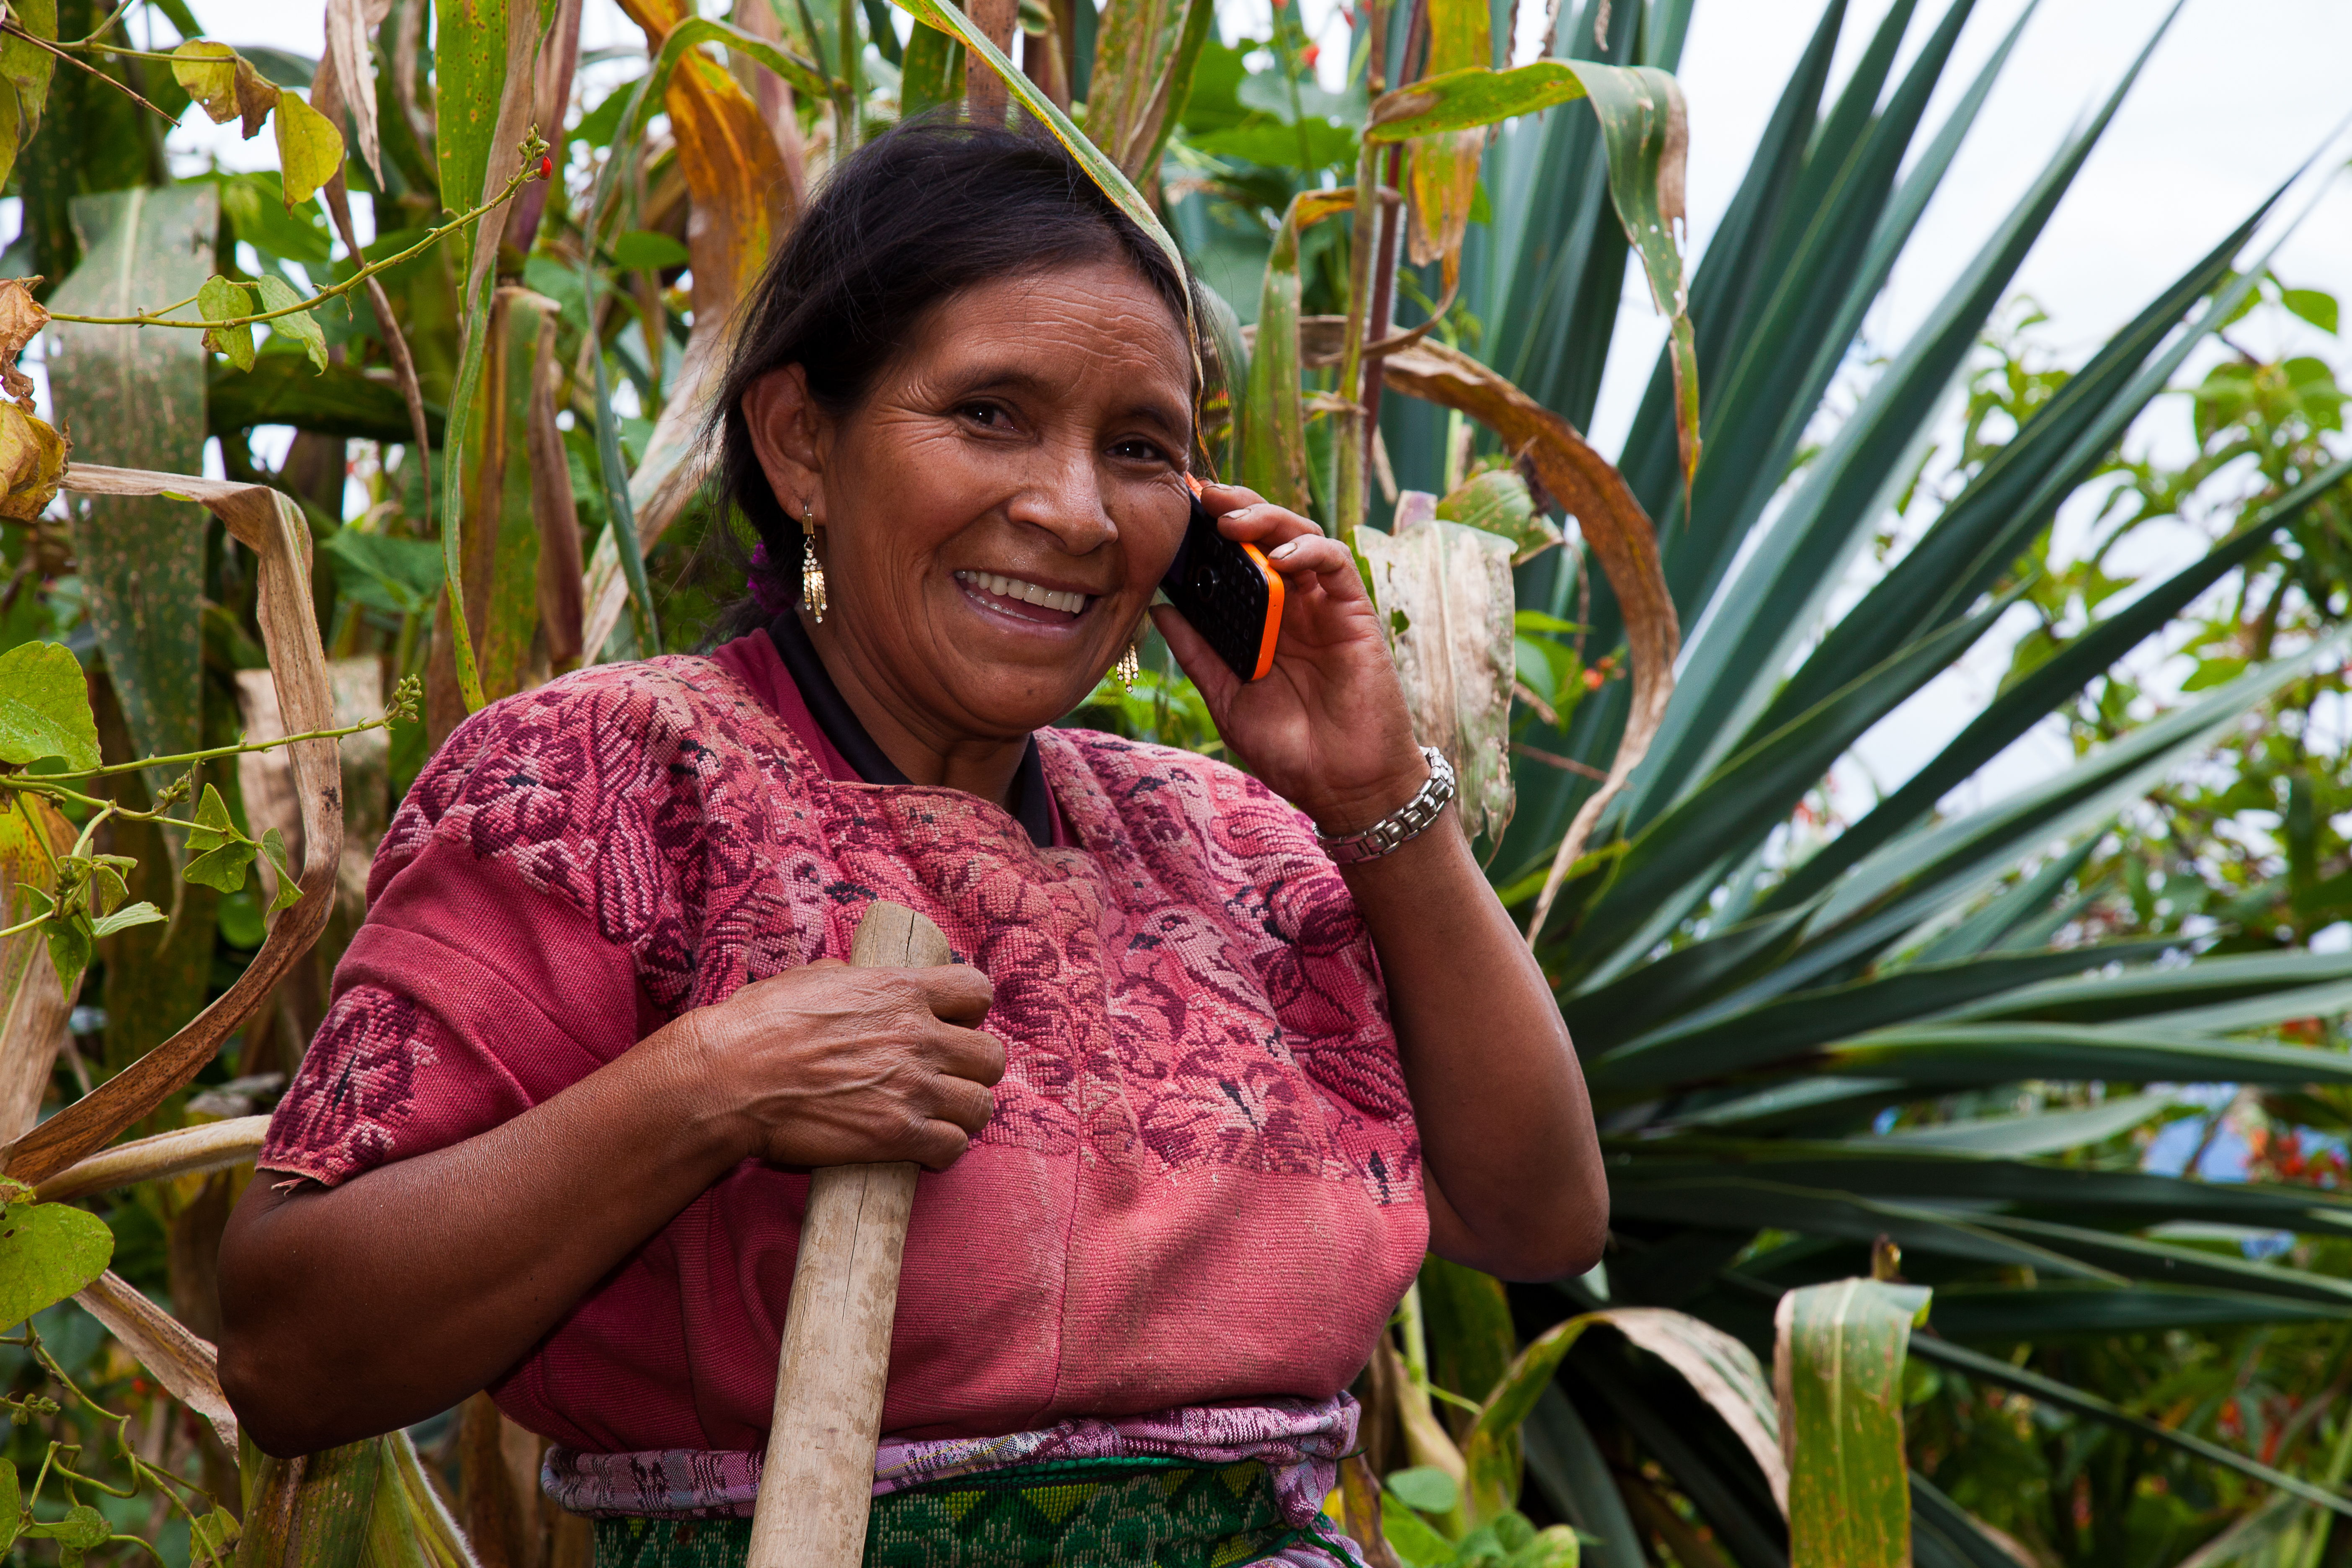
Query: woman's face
{"points": [[993, 519]]}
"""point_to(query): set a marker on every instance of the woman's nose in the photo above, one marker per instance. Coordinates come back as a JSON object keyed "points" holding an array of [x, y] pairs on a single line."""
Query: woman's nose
{"points": [[1063, 496]]}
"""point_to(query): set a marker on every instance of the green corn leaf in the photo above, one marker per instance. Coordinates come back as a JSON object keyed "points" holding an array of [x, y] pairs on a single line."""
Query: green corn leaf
{"points": [[1838, 1369], [469, 76], [1274, 425], [48, 1251], [1101, 169], [1226, 402], [317, 1511], [337, 400], [931, 73], [1468, 98], [44, 707], [143, 560]]}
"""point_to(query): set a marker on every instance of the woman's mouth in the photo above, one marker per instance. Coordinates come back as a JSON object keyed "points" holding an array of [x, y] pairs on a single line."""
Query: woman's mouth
{"points": [[1023, 600]]}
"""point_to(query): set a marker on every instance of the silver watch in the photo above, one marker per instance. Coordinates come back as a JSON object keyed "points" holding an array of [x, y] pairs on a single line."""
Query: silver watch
{"points": [[1398, 827]]}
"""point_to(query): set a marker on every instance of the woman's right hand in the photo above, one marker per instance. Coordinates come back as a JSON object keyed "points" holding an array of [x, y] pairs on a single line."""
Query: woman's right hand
{"points": [[829, 1065]]}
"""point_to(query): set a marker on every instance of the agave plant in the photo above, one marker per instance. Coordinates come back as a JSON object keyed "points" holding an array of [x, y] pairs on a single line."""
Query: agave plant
{"points": [[1749, 998]]}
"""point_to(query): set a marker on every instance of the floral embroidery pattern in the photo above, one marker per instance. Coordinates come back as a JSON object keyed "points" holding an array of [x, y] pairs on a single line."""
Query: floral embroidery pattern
{"points": [[1191, 987]]}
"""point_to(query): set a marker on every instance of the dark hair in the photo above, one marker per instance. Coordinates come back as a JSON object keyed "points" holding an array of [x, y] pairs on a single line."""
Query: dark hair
{"points": [[923, 212]]}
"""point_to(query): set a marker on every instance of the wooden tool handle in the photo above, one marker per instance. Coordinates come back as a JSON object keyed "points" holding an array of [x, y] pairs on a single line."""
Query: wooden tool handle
{"points": [[818, 1481]]}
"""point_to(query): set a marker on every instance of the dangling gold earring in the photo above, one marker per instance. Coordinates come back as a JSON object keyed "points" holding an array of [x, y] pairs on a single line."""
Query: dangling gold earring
{"points": [[1130, 668], [812, 570]]}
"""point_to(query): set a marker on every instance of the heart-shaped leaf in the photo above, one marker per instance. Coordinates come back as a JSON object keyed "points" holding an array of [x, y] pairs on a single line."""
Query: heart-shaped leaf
{"points": [[221, 300], [44, 707], [208, 72], [48, 1251]]}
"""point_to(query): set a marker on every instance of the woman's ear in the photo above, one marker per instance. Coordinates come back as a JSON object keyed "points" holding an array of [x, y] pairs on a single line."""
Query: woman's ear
{"points": [[789, 432]]}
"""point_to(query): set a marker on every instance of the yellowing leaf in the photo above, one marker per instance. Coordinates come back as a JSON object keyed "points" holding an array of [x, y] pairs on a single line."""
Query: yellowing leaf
{"points": [[25, 71], [309, 149], [300, 328], [44, 707], [32, 461], [21, 316], [222, 301], [208, 72]]}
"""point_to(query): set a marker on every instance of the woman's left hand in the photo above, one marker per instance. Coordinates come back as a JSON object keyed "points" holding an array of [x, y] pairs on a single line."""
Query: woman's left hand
{"points": [[1325, 728]]}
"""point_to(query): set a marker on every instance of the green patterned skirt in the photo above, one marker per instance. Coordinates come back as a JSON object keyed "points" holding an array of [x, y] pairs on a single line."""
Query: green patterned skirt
{"points": [[1085, 1513]]}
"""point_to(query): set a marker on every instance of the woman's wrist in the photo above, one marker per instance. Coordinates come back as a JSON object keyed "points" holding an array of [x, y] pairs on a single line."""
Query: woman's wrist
{"points": [[1345, 814], [715, 1132]]}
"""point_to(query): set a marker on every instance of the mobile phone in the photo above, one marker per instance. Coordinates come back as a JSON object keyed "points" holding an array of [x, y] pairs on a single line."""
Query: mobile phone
{"points": [[1227, 592]]}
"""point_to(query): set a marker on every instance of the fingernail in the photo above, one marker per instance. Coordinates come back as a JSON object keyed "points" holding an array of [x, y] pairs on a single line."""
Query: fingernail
{"points": [[1281, 549]]}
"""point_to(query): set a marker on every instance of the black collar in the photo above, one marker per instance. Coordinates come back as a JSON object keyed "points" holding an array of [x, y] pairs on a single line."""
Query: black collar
{"points": [[1032, 806]]}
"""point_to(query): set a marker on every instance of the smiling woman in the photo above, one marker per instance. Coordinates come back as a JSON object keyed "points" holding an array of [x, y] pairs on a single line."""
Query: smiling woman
{"points": [[1220, 1057]]}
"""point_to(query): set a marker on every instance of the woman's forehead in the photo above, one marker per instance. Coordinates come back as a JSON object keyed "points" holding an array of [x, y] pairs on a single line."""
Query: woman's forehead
{"points": [[1060, 323]]}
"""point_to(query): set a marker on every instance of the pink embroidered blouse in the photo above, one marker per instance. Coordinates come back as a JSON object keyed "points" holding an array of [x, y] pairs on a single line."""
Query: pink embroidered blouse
{"points": [[1201, 1182]]}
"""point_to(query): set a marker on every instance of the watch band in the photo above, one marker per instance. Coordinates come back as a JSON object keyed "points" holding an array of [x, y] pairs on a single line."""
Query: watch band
{"points": [[1400, 826]]}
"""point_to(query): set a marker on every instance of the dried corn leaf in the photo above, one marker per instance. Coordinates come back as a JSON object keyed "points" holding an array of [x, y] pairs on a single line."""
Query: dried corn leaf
{"points": [[194, 1149], [33, 1017], [187, 1367], [273, 527], [1444, 592], [1613, 523], [348, 22]]}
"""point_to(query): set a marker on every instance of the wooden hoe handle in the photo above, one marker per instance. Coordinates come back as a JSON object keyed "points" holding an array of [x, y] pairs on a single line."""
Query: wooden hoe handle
{"points": [[818, 1481]]}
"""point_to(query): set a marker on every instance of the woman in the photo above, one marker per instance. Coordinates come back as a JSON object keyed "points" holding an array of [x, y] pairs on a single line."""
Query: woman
{"points": [[1194, 1103]]}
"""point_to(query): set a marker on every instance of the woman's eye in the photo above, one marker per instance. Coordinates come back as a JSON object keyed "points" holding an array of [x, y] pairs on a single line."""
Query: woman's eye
{"points": [[990, 415], [1139, 451]]}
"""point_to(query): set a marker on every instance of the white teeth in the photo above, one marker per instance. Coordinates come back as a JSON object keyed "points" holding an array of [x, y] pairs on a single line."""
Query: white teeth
{"points": [[1028, 593]]}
